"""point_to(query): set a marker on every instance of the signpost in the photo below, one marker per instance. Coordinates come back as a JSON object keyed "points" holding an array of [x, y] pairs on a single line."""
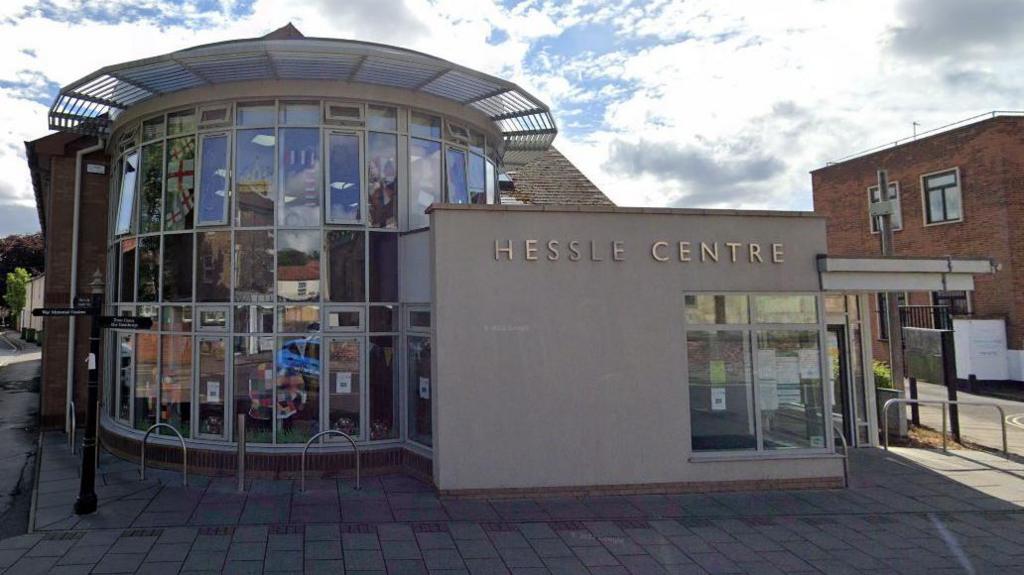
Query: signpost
{"points": [[884, 210]]}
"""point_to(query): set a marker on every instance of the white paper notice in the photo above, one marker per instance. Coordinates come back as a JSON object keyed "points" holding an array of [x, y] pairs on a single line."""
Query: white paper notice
{"points": [[766, 364], [343, 382], [769, 395], [809, 364], [787, 370], [717, 399], [213, 391], [424, 388], [91, 361]]}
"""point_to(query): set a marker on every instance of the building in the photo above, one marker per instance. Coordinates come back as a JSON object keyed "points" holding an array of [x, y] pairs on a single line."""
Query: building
{"points": [[319, 230], [959, 192], [32, 327]]}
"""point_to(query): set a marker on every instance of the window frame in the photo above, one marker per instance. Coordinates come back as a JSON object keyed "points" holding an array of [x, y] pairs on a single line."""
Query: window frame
{"points": [[362, 168], [331, 308], [229, 167], [130, 228], [925, 204], [873, 220], [227, 396]]}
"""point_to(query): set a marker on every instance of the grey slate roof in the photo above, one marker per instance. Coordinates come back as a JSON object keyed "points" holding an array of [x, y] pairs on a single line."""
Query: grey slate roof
{"points": [[552, 179]]}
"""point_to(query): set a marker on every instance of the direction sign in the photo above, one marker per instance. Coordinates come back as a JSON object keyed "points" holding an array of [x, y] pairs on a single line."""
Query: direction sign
{"points": [[60, 311], [83, 301], [125, 322]]}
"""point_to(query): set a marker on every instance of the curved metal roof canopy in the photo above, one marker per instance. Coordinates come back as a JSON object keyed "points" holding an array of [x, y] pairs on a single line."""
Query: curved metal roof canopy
{"points": [[90, 104]]}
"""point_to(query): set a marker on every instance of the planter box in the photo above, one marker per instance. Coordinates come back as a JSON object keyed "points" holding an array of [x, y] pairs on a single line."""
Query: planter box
{"points": [[883, 395]]}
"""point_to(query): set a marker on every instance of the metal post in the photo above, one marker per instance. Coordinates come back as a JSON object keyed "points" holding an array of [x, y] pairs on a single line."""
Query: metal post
{"points": [[949, 374], [915, 411], [972, 383], [892, 309], [240, 430], [944, 433], [86, 502]]}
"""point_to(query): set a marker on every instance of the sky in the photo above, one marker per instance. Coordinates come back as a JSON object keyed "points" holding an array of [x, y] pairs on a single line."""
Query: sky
{"points": [[681, 103]]}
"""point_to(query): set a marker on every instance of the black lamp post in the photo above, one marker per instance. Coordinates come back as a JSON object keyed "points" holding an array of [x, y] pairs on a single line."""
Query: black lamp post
{"points": [[86, 502]]}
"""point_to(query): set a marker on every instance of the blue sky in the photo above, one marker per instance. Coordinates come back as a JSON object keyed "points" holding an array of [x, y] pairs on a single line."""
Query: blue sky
{"points": [[695, 103]]}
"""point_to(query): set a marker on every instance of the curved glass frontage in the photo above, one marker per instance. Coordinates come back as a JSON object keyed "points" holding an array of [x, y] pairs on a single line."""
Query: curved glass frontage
{"points": [[265, 239]]}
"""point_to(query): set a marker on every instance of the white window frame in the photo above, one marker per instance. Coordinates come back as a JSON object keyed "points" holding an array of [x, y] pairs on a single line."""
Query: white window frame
{"points": [[121, 228], [893, 186], [329, 309], [924, 196], [347, 121], [229, 116], [225, 396]]}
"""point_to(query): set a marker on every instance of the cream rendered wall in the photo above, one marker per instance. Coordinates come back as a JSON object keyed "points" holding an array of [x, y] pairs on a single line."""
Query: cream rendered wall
{"points": [[571, 374]]}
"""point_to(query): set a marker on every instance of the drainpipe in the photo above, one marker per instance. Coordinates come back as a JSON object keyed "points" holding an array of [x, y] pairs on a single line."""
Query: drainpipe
{"points": [[69, 393]]}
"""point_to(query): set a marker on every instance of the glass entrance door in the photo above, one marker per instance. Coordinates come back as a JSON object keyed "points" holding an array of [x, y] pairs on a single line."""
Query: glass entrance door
{"points": [[842, 412]]}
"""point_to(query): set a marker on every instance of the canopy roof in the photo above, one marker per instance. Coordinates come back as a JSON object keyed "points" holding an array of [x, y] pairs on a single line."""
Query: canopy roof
{"points": [[91, 104]]}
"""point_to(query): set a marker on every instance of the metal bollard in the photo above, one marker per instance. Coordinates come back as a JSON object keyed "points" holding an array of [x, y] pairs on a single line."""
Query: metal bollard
{"points": [[240, 430]]}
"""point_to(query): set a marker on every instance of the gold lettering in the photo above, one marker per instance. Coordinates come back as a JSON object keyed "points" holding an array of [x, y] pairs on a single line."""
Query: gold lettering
{"points": [[684, 251], [654, 251], [732, 250], [777, 253], [618, 251], [755, 253], [706, 251], [593, 253], [531, 250], [574, 251], [500, 250], [553, 250]]}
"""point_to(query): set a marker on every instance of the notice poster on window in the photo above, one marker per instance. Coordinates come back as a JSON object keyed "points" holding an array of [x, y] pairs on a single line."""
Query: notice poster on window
{"points": [[766, 365], [810, 363], [343, 382], [769, 395], [213, 392], [718, 399], [788, 378], [717, 374], [424, 388]]}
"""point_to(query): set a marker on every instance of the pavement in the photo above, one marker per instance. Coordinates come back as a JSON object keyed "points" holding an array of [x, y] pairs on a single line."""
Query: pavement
{"points": [[19, 410], [906, 511], [977, 424]]}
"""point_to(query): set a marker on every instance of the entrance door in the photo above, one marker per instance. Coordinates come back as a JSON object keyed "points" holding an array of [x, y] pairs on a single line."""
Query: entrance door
{"points": [[842, 407]]}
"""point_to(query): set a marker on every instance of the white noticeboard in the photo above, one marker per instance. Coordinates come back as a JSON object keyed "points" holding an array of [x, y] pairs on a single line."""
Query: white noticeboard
{"points": [[213, 391], [810, 363], [788, 380], [718, 399], [766, 365], [343, 382]]}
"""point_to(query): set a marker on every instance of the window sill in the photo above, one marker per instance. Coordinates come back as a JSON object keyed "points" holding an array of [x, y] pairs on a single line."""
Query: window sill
{"points": [[943, 223], [762, 456]]}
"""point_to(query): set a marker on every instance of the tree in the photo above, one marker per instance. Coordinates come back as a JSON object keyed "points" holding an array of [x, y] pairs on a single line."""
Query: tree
{"points": [[17, 281], [20, 251]]}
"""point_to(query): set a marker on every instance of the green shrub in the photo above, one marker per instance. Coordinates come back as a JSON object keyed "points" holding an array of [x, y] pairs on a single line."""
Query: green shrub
{"points": [[883, 375]]}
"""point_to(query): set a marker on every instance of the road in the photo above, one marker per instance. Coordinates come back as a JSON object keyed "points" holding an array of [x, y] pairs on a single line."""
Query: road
{"points": [[977, 424], [19, 416]]}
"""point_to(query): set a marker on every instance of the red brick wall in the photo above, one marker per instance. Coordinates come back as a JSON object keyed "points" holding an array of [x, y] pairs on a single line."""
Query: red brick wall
{"points": [[989, 155]]}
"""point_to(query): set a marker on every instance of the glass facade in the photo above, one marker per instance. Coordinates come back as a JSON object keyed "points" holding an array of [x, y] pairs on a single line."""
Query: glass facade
{"points": [[264, 241]]}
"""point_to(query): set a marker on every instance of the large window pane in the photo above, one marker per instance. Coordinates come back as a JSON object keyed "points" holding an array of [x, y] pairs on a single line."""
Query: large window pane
{"points": [[213, 179], [300, 113], [345, 198], [785, 309], [721, 391], [382, 179], [181, 122], [420, 389], [255, 114], [254, 177], [346, 263], [300, 177], [716, 309], [125, 367], [298, 318], [176, 382], [382, 360], [212, 386], [790, 386], [126, 293], [477, 180], [383, 267], [381, 118], [298, 265], [254, 265], [126, 199], [177, 268], [149, 268], [146, 374], [458, 192], [298, 388], [213, 272], [425, 126], [180, 188], [344, 383], [491, 199], [952, 196], [424, 180], [253, 361], [151, 189]]}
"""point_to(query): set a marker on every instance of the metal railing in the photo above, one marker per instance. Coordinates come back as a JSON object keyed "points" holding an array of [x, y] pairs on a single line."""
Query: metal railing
{"points": [[926, 316], [184, 453], [846, 456], [945, 403], [355, 450], [72, 426]]}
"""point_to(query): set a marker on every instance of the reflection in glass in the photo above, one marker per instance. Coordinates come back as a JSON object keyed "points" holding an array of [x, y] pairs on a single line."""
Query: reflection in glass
{"points": [[419, 390], [254, 177], [212, 386], [213, 319], [790, 386], [347, 319], [180, 186], [146, 371], [151, 189], [458, 193], [381, 118], [181, 122], [721, 390], [213, 269], [477, 180], [346, 259], [213, 179], [177, 268], [298, 388], [255, 114], [424, 180], [298, 265], [126, 200], [254, 319], [490, 184], [253, 360], [383, 318], [127, 288], [344, 385], [383, 267], [300, 177], [298, 318], [785, 309], [149, 268], [125, 366], [720, 309], [382, 179], [176, 382], [300, 113], [176, 318], [345, 196], [153, 128], [382, 365], [254, 265], [425, 126]]}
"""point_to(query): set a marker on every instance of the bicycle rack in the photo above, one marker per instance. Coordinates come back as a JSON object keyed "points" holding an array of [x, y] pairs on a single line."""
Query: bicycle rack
{"points": [[945, 403], [846, 457], [72, 426], [355, 449], [184, 453]]}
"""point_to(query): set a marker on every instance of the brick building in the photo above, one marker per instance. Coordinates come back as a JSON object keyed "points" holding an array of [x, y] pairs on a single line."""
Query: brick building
{"points": [[961, 194]]}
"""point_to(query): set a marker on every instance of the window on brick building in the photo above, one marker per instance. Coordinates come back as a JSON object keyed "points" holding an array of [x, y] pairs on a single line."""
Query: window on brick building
{"points": [[883, 313], [957, 301], [897, 217], [942, 197]]}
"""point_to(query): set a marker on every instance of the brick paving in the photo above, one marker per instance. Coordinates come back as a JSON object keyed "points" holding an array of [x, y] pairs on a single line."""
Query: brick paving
{"points": [[905, 512]]}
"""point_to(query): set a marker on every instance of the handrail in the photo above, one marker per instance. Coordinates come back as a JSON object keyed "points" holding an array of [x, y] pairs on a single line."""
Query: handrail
{"points": [[355, 449], [184, 453], [945, 403], [846, 456], [72, 427]]}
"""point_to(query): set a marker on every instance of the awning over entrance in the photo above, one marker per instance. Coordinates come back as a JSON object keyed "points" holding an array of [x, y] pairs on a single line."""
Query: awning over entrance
{"points": [[900, 274]]}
